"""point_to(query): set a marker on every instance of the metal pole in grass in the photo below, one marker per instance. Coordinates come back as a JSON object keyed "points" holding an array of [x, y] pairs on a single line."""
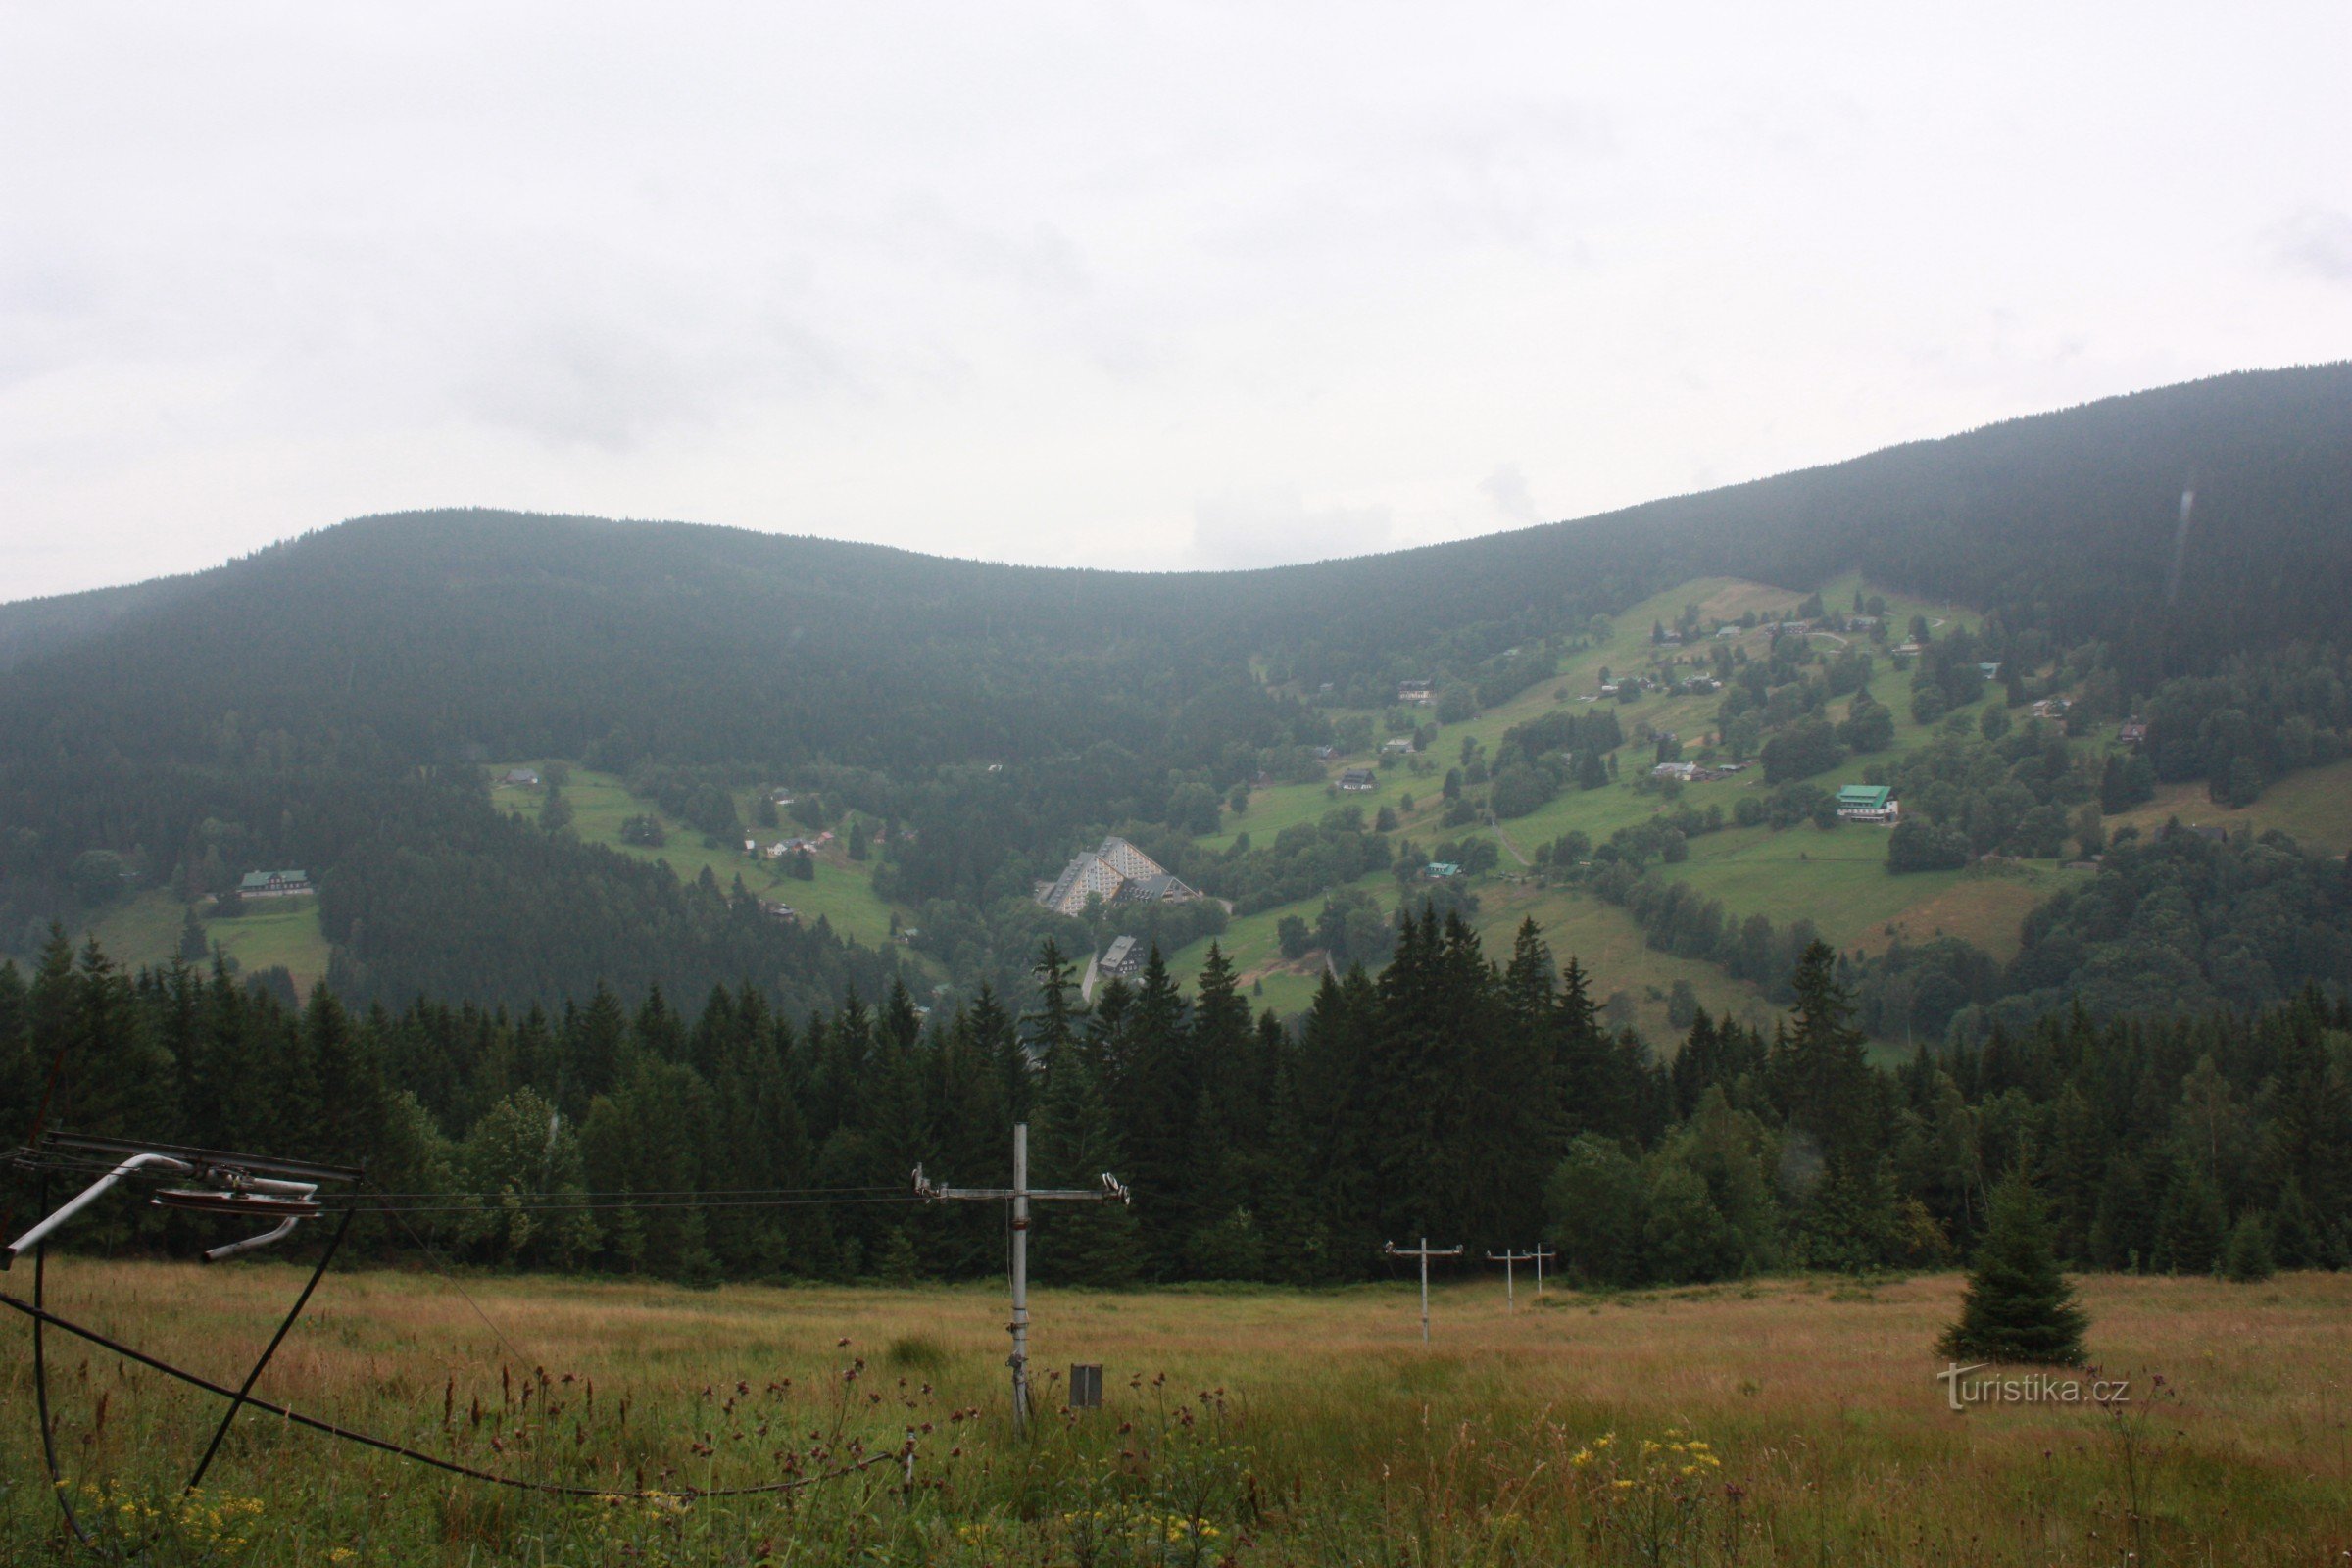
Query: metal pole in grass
{"points": [[1424, 1253], [1020, 1194], [1510, 1275], [1541, 1254]]}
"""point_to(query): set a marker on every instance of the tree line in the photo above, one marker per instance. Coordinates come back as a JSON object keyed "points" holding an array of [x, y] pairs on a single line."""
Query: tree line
{"points": [[1453, 1095]]}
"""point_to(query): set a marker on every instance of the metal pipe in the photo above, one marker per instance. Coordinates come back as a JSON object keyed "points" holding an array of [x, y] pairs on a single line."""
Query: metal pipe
{"points": [[276, 1232], [264, 1184], [88, 1195]]}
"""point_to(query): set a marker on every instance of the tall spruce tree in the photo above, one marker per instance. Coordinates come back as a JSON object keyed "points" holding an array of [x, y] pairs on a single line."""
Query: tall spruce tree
{"points": [[1829, 1092], [194, 946], [1082, 1244]]}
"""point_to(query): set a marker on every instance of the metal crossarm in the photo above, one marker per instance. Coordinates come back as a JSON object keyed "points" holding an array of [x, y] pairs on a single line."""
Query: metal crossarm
{"points": [[1424, 1253], [1511, 1284], [302, 1171]]}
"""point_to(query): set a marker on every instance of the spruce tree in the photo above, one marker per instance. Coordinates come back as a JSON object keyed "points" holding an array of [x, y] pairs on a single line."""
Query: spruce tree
{"points": [[1823, 1079], [2247, 1258], [2295, 1238], [2121, 1235], [2017, 1306], [1086, 1243], [193, 948], [2193, 1226], [20, 1078], [1819, 1072]]}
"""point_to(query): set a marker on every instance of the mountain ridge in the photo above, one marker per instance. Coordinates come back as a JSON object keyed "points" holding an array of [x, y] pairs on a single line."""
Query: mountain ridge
{"points": [[30, 629]]}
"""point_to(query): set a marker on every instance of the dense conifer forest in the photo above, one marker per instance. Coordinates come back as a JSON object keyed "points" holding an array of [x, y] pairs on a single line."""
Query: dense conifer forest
{"points": [[1451, 1095]]}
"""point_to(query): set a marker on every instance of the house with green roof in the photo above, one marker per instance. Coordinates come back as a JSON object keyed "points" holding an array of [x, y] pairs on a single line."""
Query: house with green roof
{"points": [[1868, 803], [274, 883]]}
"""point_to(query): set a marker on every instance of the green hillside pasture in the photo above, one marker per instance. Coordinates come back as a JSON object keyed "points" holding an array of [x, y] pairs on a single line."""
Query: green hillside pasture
{"points": [[1600, 813], [1986, 905], [1602, 937], [1628, 648], [1608, 944], [1837, 879], [844, 896], [843, 891], [1281, 806], [1284, 805], [1693, 717], [1838, 597], [1840, 881], [1250, 942], [145, 930], [2313, 807]]}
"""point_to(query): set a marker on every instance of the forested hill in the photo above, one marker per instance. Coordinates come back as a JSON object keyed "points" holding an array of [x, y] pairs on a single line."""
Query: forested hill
{"points": [[530, 634], [320, 703]]}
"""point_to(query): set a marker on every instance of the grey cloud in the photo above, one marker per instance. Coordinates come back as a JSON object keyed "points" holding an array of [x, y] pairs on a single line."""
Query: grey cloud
{"points": [[1275, 528], [2317, 241], [1506, 488], [594, 381]]}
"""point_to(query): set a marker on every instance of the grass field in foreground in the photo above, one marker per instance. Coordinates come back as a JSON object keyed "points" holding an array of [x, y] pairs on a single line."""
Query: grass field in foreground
{"points": [[1246, 1425]]}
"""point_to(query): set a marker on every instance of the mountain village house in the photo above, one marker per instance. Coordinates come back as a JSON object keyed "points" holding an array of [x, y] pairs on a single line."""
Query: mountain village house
{"points": [[1358, 781], [274, 883], [1868, 803], [1121, 957]]}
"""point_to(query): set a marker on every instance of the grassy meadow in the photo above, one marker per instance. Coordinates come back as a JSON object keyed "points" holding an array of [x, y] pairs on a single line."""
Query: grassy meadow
{"points": [[1782, 1421], [144, 929], [843, 891], [2314, 806]]}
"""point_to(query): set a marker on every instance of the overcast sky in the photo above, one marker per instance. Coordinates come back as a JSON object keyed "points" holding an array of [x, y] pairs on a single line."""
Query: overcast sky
{"points": [[1146, 286]]}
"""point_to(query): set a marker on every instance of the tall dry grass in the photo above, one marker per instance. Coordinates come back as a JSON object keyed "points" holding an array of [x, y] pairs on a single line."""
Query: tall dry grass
{"points": [[1793, 1421]]}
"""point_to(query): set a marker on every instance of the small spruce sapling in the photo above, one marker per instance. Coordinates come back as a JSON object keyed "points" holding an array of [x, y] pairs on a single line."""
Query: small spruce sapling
{"points": [[2019, 1307]]}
